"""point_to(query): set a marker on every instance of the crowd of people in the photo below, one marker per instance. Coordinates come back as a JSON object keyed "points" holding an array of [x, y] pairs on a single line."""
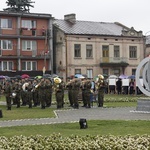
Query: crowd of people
{"points": [[38, 92]]}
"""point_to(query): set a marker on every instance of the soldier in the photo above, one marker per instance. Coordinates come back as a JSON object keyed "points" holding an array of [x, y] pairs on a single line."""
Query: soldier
{"points": [[58, 87], [75, 92], [83, 88], [14, 102], [48, 92], [29, 94], [23, 93], [35, 93], [17, 91], [42, 93], [101, 90], [69, 88], [8, 92], [87, 86]]}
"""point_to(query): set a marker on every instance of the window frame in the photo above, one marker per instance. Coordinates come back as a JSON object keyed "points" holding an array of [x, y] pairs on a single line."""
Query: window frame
{"points": [[132, 52], [77, 50], [89, 51], [116, 51], [29, 65], [9, 65], [28, 45], [6, 23]]}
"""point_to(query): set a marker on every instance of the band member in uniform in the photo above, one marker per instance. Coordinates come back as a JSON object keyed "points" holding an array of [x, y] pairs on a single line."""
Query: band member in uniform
{"points": [[8, 93], [88, 93], [100, 84], [48, 92], [58, 88], [69, 88], [75, 92]]}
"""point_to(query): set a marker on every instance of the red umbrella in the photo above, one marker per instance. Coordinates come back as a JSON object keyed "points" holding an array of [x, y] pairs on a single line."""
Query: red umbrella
{"points": [[25, 76]]}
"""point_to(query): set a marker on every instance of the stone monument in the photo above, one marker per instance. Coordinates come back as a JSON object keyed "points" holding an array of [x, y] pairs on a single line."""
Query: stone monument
{"points": [[143, 104]]}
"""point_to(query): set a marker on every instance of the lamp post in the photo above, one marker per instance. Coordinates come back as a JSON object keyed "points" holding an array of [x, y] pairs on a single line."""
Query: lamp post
{"points": [[45, 55]]}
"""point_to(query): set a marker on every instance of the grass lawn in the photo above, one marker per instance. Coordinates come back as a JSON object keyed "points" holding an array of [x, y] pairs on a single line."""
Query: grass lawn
{"points": [[95, 127]]}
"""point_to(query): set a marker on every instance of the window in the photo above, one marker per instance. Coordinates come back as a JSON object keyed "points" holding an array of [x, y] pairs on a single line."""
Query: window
{"points": [[133, 71], [29, 45], [77, 71], [29, 24], [89, 51], [6, 23], [132, 51], [89, 73], [77, 50], [105, 71], [117, 72], [116, 51], [105, 49], [29, 65], [6, 44], [6, 65]]}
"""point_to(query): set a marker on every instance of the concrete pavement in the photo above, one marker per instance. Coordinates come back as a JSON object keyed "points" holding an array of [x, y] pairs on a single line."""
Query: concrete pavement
{"points": [[74, 115]]}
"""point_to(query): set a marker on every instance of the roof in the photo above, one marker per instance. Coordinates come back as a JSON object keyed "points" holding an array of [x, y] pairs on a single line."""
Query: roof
{"points": [[89, 27]]}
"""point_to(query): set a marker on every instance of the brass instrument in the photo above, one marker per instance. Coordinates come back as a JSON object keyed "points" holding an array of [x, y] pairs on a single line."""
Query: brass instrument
{"points": [[24, 86], [57, 81]]}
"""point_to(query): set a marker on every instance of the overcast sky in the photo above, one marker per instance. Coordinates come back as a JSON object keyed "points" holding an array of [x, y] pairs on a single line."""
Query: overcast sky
{"points": [[131, 13]]}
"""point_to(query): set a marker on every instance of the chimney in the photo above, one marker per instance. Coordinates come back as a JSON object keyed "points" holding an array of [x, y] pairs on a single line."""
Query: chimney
{"points": [[70, 18]]}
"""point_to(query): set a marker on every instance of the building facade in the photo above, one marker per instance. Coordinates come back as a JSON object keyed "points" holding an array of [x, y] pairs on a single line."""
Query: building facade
{"points": [[92, 48], [25, 43]]}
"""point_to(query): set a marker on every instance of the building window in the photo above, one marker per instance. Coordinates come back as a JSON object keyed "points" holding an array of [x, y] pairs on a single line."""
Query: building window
{"points": [[117, 72], [6, 65], [77, 71], [6, 23], [90, 73], [133, 71], [29, 66], [6, 44], [105, 71], [29, 24], [29, 45], [89, 51], [77, 50], [116, 51], [132, 51], [105, 50]]}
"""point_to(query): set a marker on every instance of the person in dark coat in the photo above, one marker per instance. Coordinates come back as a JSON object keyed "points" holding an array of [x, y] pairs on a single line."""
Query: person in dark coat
{"points": [[119, 86]]}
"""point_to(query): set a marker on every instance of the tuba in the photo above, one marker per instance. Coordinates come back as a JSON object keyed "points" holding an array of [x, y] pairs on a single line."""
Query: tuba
{"points": [[57, 81]]}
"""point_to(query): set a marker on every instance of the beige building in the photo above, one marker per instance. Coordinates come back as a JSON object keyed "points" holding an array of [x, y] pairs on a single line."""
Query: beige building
{"points": [[92, 48]]}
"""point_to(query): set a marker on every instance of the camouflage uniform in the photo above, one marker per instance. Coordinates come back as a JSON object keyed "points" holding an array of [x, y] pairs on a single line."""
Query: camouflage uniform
{"points": [[48, 92], [75, 92], [69, 87], [8, 92], [17, 91], [88, 93], [59, 94], [101, 91], [42, 93], [35, 93], [29, 94]]}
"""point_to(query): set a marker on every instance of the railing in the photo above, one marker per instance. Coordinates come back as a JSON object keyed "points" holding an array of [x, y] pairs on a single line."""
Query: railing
{"points": [[113, 59], [24, 32]]}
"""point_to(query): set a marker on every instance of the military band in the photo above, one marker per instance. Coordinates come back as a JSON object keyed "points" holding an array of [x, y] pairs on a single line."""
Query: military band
{"points": [[38, 92]]}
